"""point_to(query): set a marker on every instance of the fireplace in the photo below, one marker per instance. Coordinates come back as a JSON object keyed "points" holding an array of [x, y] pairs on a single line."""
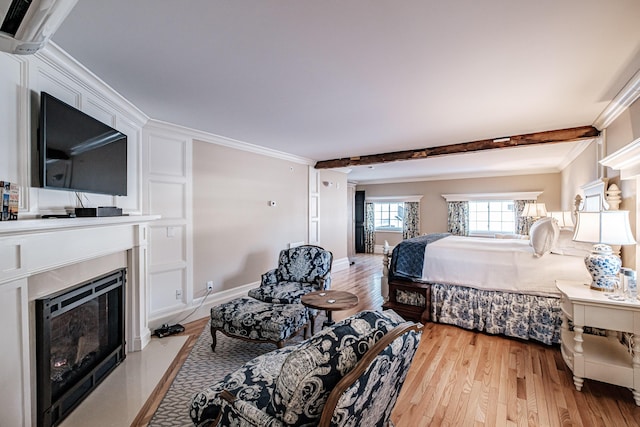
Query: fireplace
{"points": [[80, 339]]}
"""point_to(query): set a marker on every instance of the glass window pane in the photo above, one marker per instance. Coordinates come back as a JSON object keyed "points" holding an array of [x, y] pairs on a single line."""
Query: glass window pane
{"points": [[495, 216], [495, 206]]}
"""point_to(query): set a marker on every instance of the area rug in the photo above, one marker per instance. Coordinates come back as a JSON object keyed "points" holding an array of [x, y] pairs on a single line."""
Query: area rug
{"points": [[204, 368]]}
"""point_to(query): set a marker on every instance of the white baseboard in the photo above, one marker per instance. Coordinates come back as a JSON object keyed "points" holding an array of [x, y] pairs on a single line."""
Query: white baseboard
{"points": [[203, 307], [217, 298]]}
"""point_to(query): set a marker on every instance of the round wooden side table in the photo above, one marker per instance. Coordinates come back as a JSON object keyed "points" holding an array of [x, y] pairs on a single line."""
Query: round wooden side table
{"points": [[330, 301]]}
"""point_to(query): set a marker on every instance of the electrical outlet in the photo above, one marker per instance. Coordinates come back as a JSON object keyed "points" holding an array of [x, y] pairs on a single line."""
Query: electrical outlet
{"points": [[178, 293], [210, 285]]}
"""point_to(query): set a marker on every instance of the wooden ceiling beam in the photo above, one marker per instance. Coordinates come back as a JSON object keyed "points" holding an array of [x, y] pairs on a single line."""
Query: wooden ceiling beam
{"points": [[547, 137]]}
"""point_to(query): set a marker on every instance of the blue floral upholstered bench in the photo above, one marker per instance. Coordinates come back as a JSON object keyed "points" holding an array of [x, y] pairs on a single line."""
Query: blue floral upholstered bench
{"points": [[349, 374], [253, 320]]}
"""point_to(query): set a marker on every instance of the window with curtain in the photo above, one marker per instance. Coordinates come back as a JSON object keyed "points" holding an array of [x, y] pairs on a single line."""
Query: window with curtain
{"points": [[488, 213], [399, 214]]}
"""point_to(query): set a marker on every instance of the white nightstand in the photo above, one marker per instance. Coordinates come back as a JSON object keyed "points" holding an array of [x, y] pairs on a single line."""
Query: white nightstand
{"points": [[596, 357]]}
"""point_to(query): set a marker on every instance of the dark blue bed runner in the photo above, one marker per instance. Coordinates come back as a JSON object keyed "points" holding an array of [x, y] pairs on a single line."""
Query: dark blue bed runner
{"points": [[407, 258]]}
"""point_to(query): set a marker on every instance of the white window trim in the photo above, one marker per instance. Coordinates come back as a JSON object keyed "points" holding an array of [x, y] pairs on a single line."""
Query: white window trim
{"points": [[393, 199], [516, 195]]}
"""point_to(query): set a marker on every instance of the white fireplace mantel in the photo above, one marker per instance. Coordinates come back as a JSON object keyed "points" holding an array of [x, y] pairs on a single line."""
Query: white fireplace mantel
{"points": [[32, 251]]}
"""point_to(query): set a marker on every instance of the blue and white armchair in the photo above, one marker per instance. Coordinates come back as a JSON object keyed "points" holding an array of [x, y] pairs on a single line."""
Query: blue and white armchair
{"points": [[349, 374], [300, 270]]}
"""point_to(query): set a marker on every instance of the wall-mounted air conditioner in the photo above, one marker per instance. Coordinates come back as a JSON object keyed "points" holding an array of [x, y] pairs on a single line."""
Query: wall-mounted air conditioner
{"points": [[28, 24]]}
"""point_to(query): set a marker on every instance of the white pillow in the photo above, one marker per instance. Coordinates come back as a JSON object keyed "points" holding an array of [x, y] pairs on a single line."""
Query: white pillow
{"points": [[544, 235], [567, 246]]}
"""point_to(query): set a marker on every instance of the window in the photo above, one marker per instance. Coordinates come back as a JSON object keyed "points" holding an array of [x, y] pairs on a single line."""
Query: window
{"points": [[388, 216], [492, 216]]}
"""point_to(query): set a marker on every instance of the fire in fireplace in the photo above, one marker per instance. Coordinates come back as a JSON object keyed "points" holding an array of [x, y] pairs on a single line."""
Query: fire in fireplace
{"points": [[79, 341]]}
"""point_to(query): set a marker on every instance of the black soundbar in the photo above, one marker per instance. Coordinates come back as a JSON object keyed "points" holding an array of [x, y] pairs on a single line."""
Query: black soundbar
{"points": [[99, 211]]}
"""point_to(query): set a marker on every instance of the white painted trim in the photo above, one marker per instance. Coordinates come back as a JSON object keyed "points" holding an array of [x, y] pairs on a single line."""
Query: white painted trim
{"points": [[626, 160], [340, 264], [229, 142], [23, 132], [627, 96], [523, 195], [392, 199]]}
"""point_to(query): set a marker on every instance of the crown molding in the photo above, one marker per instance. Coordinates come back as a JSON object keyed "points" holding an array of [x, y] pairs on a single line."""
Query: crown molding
{"points": [[393, 199], [627, 96], [626, 160], [228, 142], [517, 195]]}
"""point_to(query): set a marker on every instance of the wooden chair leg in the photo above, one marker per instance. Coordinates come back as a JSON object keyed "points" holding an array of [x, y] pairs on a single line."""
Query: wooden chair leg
{"points": [[213, 339], [312, 320]]}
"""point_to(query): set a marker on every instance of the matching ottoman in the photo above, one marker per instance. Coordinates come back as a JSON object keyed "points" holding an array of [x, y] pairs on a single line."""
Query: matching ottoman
{"points": [[253, 320]]}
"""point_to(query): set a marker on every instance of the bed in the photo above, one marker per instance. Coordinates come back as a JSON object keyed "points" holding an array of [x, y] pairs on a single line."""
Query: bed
{"points": [[499, 286]]}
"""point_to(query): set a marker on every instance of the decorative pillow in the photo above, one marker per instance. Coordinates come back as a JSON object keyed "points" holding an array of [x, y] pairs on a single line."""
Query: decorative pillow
{"points": [[567, 246], [544, 235], [310, 373]]}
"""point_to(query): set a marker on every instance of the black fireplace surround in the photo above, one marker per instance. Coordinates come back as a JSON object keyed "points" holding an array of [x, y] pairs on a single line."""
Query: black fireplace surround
{"points": [[79, 341]]}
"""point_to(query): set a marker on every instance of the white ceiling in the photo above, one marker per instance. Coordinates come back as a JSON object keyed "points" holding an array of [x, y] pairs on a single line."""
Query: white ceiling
{"points": [[325, 79]]}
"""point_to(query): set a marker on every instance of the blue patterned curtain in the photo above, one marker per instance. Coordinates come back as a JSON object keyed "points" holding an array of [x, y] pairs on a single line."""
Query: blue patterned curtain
{"points": [[411, 220], [369, 228], [458, 218], [523, 223]]}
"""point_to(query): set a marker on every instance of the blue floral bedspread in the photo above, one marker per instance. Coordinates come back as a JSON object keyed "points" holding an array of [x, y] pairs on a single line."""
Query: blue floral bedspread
{"points": [[407, 258]]}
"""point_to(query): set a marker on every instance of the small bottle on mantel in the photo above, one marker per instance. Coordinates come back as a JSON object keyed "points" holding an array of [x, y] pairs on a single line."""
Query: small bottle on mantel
{"points": [[628, 277]]}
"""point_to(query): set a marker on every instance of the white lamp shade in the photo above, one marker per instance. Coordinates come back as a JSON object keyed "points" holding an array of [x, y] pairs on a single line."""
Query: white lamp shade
{"points": [[535, 210], [564, 218], [609, 227]]}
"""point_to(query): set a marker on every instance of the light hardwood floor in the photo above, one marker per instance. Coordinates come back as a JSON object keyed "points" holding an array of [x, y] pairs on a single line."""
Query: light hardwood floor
{"points": [[465, 378]]}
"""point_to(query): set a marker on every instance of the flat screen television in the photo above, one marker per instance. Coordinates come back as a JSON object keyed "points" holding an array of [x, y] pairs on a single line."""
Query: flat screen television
{"points": [[78, 152]]}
